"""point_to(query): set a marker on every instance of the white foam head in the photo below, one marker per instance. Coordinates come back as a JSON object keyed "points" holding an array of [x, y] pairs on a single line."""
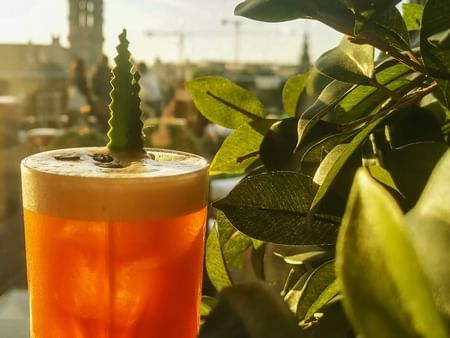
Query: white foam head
{"points": [[78, 184]]}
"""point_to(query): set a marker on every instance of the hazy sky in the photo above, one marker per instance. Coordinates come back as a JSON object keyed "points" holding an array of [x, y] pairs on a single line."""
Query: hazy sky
{"points": [[206, 37]]}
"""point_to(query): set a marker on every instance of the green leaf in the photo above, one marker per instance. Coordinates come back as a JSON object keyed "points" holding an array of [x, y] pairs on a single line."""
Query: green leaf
{"points": [[412, 14], [278, 145], [441, 39], [434, 23], [383, 176], [442, 94], [317, 282], [292, 91], [411, 166], [273, 207], [250, 310], [207, 305], [367, 10], [428, 225], [389, 27], [330, 292], [342, 160], [302, 258], [328, 162], [366, 100], [386, 293], [258, 259], [224, 227], [332, 13], [332, 94], [274, 10], [215, 262], [225, 103], [235, 247], [348, 62], [240, 149]]}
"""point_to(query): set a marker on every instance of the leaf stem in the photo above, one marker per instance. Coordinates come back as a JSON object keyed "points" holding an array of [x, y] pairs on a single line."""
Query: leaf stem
{"points": [[394, 106], [384, 89], [409, 60]]}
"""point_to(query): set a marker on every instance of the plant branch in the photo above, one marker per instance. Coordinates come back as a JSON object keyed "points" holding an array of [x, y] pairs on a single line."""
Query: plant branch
{"points": [[394, 106], [391, 51]]}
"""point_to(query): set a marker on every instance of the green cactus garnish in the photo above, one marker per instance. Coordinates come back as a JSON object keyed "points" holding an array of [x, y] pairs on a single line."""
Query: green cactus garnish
{"points": [[125, 133]]}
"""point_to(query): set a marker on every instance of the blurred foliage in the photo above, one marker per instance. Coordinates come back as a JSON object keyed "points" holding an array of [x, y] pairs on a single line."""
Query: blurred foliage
{"points": [[357, 256]]}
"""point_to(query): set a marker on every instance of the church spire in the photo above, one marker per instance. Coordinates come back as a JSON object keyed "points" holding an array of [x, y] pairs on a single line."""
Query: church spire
{"points": [[305, 61]]}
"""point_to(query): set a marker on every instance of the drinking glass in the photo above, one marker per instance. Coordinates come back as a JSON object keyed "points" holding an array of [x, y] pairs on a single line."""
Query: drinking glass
{"points": [[114, 247]]}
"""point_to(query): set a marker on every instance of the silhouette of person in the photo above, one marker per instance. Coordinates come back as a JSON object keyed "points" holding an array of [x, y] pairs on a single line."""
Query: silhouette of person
{"points": [[101, 87], [78, 96], [150, 90]]}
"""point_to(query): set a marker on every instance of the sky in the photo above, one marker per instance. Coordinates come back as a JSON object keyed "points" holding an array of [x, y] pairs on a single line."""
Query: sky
{"points": [[206, 36]]}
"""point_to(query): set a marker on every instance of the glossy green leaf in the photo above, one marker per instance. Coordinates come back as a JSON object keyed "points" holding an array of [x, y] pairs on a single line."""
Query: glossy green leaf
{"points": [[390, 28], [367, 10], [225, 103], [215, 262], [412, 14], [240, 149], [235, 247], [411, 166], [207, 305], [366, 100], [304, 257], [317, 282], [332, 13], [224, 227], [250, 310], [441, 39], [328, 162], [435, 22], [274, 10], [348, 62], [443, 92], [278, 145], [233, 243], [258, 260], [273, 207], [428, 225], [330, 292], [292, 91], [332, 94], [383, 176], [386, 293], [342, 160]]}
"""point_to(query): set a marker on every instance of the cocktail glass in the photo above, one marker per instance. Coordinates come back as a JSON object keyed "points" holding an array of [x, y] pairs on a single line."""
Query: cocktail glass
{"points": [[114, 248]]}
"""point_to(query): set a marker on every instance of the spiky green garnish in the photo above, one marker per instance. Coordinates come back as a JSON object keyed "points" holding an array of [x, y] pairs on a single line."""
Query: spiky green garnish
{"points": [[125, 133]]}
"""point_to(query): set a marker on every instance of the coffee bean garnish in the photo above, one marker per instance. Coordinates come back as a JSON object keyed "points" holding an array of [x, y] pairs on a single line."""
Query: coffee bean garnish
{"points": [[104, 158], [67, 157]]}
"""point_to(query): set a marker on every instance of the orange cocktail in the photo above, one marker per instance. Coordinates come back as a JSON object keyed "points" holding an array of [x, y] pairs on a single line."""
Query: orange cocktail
{"points": [[114, 250]]}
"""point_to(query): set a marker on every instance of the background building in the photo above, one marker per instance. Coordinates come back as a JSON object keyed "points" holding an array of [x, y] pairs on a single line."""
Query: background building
{"points": [[36, 74]]}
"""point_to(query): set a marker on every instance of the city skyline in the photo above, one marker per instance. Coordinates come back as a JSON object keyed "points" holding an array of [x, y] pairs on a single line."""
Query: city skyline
{"points": [[22, 21]]}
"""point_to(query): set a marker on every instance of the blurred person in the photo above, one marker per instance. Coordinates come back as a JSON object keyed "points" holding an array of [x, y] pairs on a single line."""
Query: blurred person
{"points": [[79, 99], [101, 88], [150, 93]]}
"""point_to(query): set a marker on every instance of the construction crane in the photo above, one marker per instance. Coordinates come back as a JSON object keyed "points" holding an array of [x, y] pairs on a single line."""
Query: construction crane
{"points": [[237, 25]]}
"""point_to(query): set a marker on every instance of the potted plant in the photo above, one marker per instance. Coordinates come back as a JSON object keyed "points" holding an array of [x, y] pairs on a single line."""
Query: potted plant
{"points": [[346, 201]]}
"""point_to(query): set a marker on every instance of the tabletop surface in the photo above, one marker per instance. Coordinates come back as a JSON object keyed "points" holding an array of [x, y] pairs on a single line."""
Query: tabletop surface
{"points": [[14, 314]]}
